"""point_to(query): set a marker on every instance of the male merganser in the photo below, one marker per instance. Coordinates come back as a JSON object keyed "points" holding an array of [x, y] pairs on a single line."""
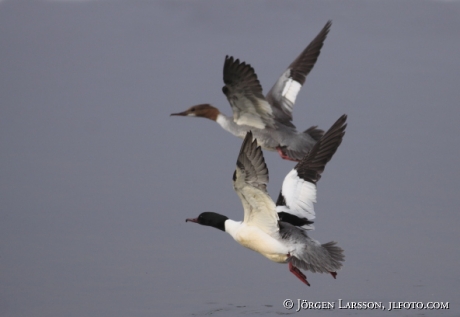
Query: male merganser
{"points": [[280, 232], [269, 118]]}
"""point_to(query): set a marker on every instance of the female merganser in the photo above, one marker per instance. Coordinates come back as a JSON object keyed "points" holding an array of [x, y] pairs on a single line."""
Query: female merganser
{"points": [[269, 118], [280, 232]]}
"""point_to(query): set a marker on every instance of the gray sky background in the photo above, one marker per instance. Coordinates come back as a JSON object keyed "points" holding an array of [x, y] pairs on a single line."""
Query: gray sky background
{"points": [[97, 180]]}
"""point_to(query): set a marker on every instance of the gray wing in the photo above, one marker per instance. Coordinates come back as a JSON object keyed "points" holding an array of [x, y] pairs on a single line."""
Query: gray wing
{"points": [[244, 93], [298, 193], [312, 166], [250, 183], [251, 165], [283, 94]]}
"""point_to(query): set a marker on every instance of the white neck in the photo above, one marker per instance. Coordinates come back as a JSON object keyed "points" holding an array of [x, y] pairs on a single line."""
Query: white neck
{"points": [[232, 227], [229, 125]]}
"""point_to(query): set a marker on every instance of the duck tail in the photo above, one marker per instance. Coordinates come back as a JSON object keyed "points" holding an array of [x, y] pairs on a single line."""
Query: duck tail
{"points": [[314, 132], [335, 253]]}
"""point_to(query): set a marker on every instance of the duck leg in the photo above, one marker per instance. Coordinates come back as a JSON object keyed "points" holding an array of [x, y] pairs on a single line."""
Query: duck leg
{"points": [[298, 273], [283, 155], [334, 274]]}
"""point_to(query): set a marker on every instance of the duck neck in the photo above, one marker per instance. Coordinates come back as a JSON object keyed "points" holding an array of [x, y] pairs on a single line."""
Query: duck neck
{"points": [[232, 227], [229, 125]]}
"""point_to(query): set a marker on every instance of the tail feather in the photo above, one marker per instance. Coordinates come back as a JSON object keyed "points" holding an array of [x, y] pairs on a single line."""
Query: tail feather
{"points": [[314, 132], [335, 252], [320, 258]]}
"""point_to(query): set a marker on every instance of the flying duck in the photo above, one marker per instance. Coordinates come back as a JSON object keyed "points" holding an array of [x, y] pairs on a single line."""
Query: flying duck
{"points": [[279, 231], [270, 117]]}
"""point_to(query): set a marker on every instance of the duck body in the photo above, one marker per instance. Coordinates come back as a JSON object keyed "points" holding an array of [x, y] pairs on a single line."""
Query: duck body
{"points": [[285, 138]]}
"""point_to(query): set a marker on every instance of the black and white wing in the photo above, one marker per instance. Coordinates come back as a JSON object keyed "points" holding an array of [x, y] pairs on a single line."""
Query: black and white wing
{"points": [[283, 94], [298, 193], [244, 93], [250, 183]]}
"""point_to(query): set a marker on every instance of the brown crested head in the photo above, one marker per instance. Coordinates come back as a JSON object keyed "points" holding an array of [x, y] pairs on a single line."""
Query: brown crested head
{"points": [[203, 110]]}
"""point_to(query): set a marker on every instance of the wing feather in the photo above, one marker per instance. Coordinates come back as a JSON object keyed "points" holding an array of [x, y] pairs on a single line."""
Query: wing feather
{"points": [[244, 93], [283, 94], [298, 192], [250, 183]]}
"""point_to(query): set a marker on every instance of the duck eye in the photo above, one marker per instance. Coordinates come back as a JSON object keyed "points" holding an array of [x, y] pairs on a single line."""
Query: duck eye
{"points": [[192, 110]]}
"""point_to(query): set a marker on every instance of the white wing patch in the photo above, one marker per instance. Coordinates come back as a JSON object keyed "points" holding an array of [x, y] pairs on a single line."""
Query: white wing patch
{"points": [[300, 195], [290, 90]]}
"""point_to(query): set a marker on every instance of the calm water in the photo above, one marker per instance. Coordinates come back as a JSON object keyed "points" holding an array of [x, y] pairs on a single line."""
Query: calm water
{"points": [[97, 179]]}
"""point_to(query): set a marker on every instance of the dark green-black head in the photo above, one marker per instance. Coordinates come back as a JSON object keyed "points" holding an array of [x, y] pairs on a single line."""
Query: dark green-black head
{"points": [[209, 218]]}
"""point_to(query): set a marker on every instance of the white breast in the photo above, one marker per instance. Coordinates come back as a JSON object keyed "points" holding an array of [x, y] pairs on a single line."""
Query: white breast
{"points": [[255, 239]]}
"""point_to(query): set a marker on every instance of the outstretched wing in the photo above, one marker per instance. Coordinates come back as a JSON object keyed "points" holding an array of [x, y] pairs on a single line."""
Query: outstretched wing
{"points": [[244, 93], [298, 193], [283, 94], [250, 183]]}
